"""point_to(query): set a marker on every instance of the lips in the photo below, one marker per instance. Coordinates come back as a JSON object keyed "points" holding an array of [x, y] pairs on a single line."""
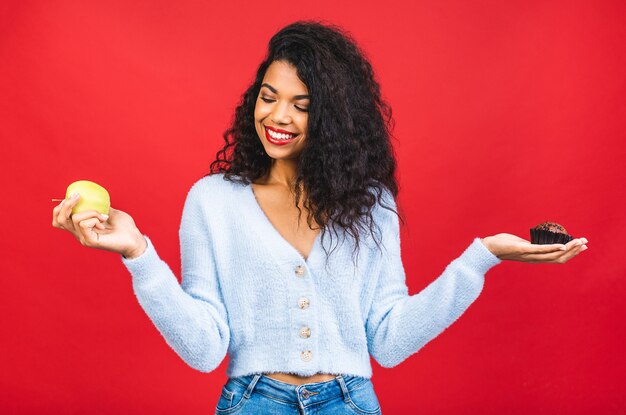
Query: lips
{"points": [[278, 130], [279, 137]]}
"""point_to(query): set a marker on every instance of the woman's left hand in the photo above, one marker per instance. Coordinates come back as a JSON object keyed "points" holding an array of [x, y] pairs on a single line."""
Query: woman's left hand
{"points": [[513, 248]]}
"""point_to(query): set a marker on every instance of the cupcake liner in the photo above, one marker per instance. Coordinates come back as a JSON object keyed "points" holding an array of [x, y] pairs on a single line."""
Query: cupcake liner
{"points": [[543, 237]]}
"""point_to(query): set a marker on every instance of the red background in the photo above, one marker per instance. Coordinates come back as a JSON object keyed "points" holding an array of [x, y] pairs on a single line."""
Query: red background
{"points": [[507, 115]]}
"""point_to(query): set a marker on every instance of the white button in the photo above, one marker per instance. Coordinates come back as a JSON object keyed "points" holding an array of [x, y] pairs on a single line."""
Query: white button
{"points": [[303, 302], [300, 271], [306, 355], [305, 332]]}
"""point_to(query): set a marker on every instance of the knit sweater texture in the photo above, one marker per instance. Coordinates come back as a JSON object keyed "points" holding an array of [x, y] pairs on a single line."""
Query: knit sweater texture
{"points": [[248, 293]]}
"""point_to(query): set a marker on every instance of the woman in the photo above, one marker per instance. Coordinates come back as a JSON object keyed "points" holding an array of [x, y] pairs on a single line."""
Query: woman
{"points": [[290, 248]]}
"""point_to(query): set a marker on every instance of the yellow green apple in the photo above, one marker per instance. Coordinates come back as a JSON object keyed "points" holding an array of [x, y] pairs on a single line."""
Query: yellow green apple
{"points": [[92, 197]]}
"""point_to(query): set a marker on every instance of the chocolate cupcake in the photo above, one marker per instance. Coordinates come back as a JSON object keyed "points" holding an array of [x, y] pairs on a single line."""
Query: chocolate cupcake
{"points": [[549, 233]]}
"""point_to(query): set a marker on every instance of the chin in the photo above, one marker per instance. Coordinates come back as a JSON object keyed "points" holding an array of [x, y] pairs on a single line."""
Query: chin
{"points": [[282, 155], [287, 152]]}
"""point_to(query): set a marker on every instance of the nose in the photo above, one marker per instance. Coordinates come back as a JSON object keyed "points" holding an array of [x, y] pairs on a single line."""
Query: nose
{"points": [[281, 115]]}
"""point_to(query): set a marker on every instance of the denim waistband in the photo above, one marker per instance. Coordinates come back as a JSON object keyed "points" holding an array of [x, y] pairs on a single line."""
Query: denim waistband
{"points": [[305, 394]]}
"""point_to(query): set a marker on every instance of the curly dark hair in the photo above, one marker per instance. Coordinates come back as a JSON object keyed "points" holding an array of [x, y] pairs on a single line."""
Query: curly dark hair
{"points": [[347, 161]]}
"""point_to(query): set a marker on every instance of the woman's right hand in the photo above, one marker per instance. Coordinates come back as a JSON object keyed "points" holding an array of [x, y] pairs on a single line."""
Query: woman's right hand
{"points": [[115, 233]]}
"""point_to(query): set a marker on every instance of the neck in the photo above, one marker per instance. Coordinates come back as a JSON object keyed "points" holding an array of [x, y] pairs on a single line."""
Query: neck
{"points": [[283, 172]]}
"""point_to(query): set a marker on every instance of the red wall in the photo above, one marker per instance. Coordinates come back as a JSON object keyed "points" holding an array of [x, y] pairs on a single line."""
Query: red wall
{"points": [[507, 115]]}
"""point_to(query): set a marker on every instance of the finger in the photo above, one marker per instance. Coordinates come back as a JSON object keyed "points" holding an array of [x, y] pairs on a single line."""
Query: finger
{"points": [[580, 240], [61, 214], [112, 216], [557, 257], [66, 211], [544, 249], [574, 243], [88, 236], [55, 216], [572, 253], [90, 214], [77, 218], [550, 257]]}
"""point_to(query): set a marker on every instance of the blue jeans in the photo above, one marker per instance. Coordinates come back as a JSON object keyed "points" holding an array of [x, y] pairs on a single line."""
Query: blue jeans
{"points": [[259, 394]]}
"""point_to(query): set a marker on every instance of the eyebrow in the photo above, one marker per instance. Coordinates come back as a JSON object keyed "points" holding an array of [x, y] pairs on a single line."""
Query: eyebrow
{"points": [[271, 88]]}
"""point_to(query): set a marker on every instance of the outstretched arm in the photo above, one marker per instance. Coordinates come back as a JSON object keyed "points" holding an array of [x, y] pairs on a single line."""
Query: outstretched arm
{"points": [[398, 324], [191, 317]]}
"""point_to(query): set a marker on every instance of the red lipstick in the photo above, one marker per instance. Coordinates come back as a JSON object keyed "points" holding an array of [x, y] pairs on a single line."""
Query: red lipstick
{"points": [[278, 130], [279, 141]]}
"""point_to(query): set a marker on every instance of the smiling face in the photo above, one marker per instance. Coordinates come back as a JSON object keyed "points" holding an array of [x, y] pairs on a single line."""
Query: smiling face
{"points": [[281, 112]]}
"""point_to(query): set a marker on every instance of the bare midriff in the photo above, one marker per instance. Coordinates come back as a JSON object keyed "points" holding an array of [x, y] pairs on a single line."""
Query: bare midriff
{"points": [[300, 380]]}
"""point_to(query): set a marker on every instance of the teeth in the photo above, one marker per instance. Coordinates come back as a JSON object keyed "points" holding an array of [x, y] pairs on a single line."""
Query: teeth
{"points": [[280, 136]]}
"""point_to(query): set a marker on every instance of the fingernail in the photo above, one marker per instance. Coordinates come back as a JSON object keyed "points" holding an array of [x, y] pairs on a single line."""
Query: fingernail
{"points": [[75, 195], [584, 248], [105, 217], [563, 248], [584, 240]]}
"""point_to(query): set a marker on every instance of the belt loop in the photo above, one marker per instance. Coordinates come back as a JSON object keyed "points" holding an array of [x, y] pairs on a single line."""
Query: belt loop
{"points": [[344, 388], [251, 386]]}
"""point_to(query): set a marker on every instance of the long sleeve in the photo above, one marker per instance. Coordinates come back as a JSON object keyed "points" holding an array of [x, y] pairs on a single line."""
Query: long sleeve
{"points": [[190, 316], [398, 325]]}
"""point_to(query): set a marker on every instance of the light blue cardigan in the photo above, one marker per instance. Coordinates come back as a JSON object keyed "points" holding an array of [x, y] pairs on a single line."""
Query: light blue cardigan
{"points": [[248, 293]]}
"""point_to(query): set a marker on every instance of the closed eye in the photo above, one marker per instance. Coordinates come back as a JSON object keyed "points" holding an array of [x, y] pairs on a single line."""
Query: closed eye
{"points": [[269, 101]]}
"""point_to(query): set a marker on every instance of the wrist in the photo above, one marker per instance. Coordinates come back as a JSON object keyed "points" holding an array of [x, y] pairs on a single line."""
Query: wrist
{"points": [[488, 242], [138, 248]]}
